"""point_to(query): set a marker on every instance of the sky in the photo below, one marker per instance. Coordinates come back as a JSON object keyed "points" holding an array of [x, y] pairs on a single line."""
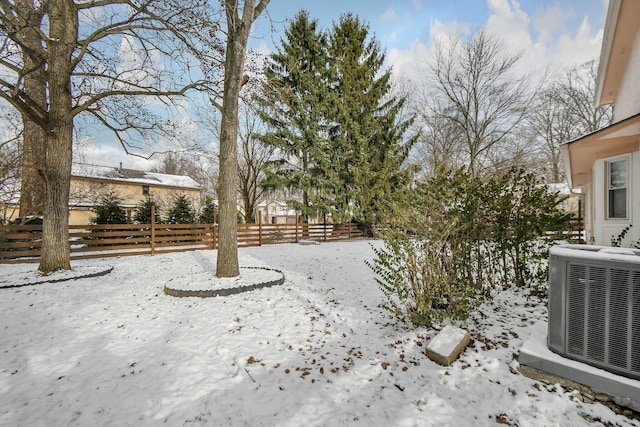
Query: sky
{"points": [[558, 33], [551, 34], [317, 351]]}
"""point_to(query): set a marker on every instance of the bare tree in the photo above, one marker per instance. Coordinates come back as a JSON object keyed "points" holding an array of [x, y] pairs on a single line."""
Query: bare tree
{"points": [[579, 86], [10, 154], [86, 75], [238, 30], [200, 165], [439, 143], [476, 90], [252, 154], [172, 163], [515, 150], [252, 159], [563, 111], [552, 123], [28, 24]]}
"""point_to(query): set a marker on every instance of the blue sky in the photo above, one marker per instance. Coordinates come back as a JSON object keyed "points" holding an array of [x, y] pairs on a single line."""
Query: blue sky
{"points": [[558, 33], [552, 34], [400, 23]]}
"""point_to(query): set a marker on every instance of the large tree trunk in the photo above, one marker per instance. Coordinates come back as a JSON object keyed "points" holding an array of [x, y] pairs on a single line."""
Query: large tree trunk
{"points": [[32, 186], [32, 192], [227, 263], [237, 36], [55, 234]]}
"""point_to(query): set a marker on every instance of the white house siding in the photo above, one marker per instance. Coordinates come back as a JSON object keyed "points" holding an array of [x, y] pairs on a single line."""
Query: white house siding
{"points": [[604, 229], [628, 100]]}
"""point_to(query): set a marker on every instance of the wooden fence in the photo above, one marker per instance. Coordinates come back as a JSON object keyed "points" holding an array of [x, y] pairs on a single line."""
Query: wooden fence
{"points": [[575, 231], [22, 243]]}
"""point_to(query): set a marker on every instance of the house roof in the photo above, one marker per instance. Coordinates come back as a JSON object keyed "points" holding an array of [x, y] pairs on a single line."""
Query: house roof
{"points": [[83, 170], [619, 138], [620, 30], [290, 212], [272, 203], [561, 188]]}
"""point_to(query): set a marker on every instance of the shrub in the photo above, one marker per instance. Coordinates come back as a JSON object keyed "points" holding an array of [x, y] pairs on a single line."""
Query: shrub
{"points": [[181, 212], [143, 211], [459, 238], [207, 216], [109, 211]]}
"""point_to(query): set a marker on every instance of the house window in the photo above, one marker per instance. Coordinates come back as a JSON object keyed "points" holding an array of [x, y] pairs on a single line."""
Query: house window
{"points": [[617, 189], [145, 190]]}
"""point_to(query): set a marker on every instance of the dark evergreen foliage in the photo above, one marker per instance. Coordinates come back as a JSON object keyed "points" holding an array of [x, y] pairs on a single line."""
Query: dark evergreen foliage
{"points": [[330, 113], [207, 215], [143, 211], [182, 212], [367, 146], [109, 211], [294, 107]]}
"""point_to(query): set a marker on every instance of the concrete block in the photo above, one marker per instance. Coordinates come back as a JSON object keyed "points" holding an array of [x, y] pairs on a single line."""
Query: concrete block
{"points": [[450, 342]]}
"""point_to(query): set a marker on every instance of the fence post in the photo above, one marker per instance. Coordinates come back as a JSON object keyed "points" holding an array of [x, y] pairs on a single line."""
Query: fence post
{"points": [[215, 236], [296, 227], [324, 230], [349, 231], [153, 230], [259, 230]]}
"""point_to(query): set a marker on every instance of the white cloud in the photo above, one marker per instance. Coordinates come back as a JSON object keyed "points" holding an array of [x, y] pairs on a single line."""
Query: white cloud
{"points": [[550, 20], [408, 62], [573, 49], [389, 15], [440, 31], [89, 151], [411, 63], [138, 65], [544, 41], [102, 148], [509, 22]]}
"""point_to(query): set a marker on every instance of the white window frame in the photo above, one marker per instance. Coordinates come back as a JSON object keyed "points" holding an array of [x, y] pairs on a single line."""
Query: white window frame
{"points": [[609, 188]]}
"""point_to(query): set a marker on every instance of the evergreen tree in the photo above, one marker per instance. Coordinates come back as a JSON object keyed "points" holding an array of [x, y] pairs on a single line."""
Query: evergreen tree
{"points": [[207, 216], [109, 211], [294, 108], [181, 212], [367, 146], [143, 211]]}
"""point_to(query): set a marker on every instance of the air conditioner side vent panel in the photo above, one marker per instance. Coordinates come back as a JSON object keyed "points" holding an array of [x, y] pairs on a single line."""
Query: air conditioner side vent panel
{"points": [[595, 314]]}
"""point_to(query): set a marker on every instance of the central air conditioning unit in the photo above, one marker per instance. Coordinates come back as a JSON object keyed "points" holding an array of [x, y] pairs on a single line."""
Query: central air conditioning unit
{"points": [[594, 306]]}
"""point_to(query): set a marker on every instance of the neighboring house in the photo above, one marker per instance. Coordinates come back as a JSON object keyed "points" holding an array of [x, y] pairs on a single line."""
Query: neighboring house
{"points": [[90, 182], [606, 164], [571, 201], [9, 200], [276, 212]]}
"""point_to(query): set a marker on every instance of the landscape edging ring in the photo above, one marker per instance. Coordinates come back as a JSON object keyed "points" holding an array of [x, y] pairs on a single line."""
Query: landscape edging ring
{"points": [[209, 293]]}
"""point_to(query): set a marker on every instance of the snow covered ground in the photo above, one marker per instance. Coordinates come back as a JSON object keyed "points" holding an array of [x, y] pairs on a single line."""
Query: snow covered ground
{"points": [[316, 351]]}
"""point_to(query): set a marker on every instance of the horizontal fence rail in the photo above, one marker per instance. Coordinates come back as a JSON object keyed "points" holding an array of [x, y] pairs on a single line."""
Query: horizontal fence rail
{"points": [[22, 243], [573, 233]]}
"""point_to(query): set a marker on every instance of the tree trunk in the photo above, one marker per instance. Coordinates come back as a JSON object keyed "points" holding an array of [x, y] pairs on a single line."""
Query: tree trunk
{"points": [[249, 210], [304, 217], [32, 192], [238, 29], [63, 24], [227, 263], [32, 186]]}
